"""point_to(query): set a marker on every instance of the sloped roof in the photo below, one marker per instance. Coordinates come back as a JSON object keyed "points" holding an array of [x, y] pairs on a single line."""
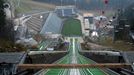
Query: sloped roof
{"points": [[11, 57], [88, 14], [129, 57], [9, 62], [52, 25]]}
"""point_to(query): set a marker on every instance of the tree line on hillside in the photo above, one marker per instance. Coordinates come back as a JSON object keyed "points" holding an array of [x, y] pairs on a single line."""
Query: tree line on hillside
{"points": [[91, 4], [2, 15], [129, 15], [125, 24], [7, 33], [6, 26]]}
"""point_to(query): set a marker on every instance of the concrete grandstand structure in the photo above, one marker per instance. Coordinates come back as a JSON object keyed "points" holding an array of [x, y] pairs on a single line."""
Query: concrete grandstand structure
{"points": [[53, 24], [43, 23], [66, 11], [31, 28]]}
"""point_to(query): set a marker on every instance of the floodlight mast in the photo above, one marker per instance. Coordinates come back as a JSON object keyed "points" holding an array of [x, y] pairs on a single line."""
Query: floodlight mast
{"points": [[75, 1], [18, 3], [61, 2]]}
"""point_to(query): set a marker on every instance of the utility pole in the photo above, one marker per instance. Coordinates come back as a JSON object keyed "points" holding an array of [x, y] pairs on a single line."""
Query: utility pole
{"points": [[75, 1], [18, 3], [12, 8], [61, 2]]}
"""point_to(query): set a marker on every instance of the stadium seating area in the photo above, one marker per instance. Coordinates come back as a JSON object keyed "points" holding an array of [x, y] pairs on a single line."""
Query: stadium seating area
{"points": [[65, 11], [44, 23], [59, 12], [35, 24]]}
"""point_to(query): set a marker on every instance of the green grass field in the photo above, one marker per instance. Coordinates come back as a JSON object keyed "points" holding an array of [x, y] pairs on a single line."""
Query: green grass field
{"points": [[71, 27]]}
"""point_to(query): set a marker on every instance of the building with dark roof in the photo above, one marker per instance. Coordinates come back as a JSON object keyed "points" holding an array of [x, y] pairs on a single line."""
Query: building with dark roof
{"points": [[9, 62]]}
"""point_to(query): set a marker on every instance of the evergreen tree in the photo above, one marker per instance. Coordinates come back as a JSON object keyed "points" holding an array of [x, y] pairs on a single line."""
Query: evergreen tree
{"points": [[129, 14], [6, 26], [2, 15]]}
